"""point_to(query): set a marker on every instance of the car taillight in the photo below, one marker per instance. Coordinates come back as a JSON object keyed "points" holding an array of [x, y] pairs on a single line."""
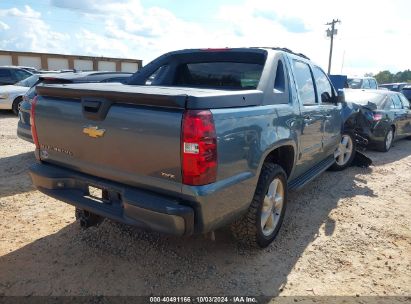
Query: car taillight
{"points": [[198, 148], [33, 122], [376, 116]]}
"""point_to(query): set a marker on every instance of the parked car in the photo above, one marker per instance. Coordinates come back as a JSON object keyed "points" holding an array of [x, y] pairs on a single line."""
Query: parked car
{"points": [[23, 127], [385, 116], [397, 86], [369, 83], [12, 95], [196, 140], [10, 75], [406, 90]]}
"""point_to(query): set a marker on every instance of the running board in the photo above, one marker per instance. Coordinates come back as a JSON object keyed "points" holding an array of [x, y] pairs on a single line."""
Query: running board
{"points": [[302, 180]]}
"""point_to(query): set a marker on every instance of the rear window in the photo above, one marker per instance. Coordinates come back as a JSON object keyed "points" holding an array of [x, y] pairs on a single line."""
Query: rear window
{"points": [[362, 98], [226, 75], [28, 82], [355, 83]]}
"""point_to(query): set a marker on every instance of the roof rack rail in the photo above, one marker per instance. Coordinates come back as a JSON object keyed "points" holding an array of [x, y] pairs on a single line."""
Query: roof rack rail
{"points": [[285, 50]]}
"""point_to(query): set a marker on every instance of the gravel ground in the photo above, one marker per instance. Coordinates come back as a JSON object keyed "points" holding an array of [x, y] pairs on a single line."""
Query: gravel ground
{"points": [[347, 233]]}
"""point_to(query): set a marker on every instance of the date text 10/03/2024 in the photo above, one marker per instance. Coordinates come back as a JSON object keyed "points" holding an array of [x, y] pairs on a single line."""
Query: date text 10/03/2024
{"points": [[239, 299]]}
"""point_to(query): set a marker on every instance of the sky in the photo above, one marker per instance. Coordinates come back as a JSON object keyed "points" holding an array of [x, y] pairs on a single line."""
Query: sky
{"points": [[372, 36]]}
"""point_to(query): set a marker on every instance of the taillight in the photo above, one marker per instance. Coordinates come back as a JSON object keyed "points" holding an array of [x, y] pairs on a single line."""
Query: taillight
{"points": [[33, 122], [377, 116], [198, 148]]}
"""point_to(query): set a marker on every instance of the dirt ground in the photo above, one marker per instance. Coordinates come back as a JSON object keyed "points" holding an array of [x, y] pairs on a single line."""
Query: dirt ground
{"points": [[347, 233]]}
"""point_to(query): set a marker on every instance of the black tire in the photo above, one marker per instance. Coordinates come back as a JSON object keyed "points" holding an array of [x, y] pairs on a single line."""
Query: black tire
{"points": [[248, 229], [339, 167], [383, 147], [16, 104], [87, 219]]}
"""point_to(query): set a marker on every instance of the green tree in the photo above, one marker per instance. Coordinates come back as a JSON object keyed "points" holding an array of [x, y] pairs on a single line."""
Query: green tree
{"points": [[387, 77], [384, 77]]}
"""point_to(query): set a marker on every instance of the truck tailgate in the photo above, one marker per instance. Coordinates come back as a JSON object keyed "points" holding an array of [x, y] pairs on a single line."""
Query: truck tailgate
{"points": [[131, 143]]}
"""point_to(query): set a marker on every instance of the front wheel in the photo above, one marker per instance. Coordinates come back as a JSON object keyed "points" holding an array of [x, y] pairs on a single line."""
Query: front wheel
{"points": [[345, 152], [16, 105], [260, 225]]}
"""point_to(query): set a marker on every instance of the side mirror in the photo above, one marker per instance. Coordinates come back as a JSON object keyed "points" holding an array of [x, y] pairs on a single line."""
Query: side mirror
{"points": [[340, 97]]}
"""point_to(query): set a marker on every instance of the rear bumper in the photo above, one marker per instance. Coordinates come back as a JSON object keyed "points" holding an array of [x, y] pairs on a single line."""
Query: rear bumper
{"points": [[375, 135], [24, 131], [125, 204]]}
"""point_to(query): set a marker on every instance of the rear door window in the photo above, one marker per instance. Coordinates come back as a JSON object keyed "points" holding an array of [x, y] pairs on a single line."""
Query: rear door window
{"points": [[305, 84], [396, 101], [366, 84], [373, 84]]}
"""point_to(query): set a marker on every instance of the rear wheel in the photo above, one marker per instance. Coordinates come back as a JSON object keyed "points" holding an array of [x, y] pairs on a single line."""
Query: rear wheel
{"points": [[16, 105], [87, 219], [345, 152], [260, 225], [388, 140]]}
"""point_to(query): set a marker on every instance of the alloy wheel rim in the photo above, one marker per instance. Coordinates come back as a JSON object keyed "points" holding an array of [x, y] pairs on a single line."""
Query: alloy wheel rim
{"points": [[388, 141], [272, 207], [344, 150]]}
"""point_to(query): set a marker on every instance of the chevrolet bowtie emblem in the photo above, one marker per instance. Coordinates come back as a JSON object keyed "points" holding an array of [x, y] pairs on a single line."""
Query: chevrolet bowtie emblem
{"points": [[94, 131]]}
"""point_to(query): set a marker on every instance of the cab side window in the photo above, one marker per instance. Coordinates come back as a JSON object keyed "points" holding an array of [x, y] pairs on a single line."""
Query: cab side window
{"points": [[279, 82], [305, 84], [154, 77], [281, 94], [324, 88]]}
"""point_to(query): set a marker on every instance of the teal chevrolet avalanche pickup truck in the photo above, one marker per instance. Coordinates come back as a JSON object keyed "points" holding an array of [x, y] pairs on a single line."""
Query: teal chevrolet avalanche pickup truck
{"points": [[196, 140]]}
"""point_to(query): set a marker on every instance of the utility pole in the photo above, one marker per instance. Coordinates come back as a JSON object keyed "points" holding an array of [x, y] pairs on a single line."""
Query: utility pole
{"points": [[330, 33]]}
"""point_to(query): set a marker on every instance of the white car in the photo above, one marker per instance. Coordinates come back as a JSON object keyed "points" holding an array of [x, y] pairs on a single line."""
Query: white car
{"points": [[12, 95]]}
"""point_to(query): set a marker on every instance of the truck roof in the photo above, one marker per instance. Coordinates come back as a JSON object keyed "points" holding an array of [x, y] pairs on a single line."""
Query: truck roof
{"points": [[256, 49]]}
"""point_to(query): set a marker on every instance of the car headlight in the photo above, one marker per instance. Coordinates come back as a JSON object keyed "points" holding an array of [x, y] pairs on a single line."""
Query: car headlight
{"points": [[4, 95]]}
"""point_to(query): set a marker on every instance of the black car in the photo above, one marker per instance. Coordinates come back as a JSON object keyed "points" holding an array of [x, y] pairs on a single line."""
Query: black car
{"points": [[11, 75], [24, 127], [384, 116], [397, 86], [406, 90]]}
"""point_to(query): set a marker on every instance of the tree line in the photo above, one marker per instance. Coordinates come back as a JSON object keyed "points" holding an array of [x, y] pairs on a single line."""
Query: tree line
{"points": [[387, 76]]}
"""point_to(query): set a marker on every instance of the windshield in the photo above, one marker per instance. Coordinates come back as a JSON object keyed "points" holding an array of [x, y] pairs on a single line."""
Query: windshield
{"points": [[362, 98], [28, 82], [354, 83]]}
